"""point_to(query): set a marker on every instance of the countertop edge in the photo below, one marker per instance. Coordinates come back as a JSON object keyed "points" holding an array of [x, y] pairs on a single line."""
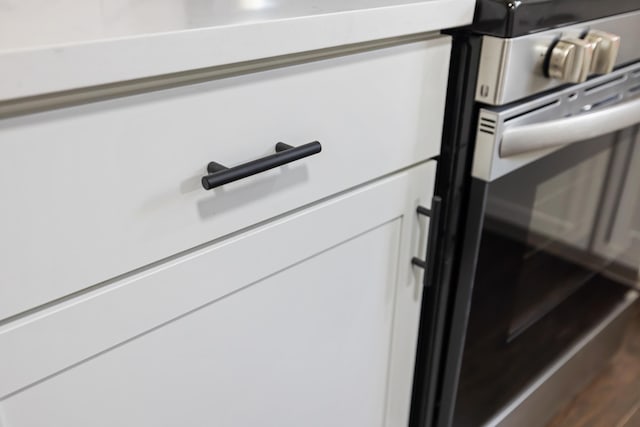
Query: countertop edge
{"points": [[51, 69]]}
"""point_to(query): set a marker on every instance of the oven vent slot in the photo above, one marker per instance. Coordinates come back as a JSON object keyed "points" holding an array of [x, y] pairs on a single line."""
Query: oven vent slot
{"points": [[604, 84], [487, 125], [603, 102]]}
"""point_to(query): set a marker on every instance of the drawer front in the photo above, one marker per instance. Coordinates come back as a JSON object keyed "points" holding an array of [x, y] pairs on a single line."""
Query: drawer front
{"points": [[94, 191], [264, 328]]}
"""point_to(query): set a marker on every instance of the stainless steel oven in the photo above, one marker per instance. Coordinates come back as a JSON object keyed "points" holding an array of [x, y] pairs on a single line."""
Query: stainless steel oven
{"points": [[549, 249], [555, 198]]}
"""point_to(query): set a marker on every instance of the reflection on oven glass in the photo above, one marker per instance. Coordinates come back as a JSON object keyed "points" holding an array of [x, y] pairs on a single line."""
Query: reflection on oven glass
{"points": [[559, 248], [580, 205]]}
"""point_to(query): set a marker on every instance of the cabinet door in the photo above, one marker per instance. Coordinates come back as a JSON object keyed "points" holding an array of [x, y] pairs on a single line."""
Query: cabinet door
{"points": [[307, 321]]}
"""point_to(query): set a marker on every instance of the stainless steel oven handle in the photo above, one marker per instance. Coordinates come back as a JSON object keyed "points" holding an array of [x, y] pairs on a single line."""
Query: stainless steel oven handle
{"points": [[539, 136]]}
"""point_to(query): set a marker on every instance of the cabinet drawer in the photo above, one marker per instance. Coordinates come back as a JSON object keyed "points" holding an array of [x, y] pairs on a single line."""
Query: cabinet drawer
{"points": [[94, 191], [264, 328]]}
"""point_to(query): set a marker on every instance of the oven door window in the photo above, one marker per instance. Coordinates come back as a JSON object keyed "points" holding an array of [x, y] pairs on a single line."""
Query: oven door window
{"points": [[559, 249], [573, 216]]}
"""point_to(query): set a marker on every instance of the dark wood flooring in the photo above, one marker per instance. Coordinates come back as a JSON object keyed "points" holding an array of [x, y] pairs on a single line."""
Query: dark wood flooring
{"points": [[612, 399]]}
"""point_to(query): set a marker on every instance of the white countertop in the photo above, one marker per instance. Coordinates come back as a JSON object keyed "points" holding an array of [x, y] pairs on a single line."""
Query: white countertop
{"points": [[55, 45]]}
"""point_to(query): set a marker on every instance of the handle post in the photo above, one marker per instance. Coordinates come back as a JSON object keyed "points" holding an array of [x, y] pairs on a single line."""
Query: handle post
{"points": [[429, 264]]}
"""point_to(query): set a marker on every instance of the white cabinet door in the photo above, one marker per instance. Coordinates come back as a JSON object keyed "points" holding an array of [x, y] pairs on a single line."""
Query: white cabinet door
{"points": [[310, 320]]}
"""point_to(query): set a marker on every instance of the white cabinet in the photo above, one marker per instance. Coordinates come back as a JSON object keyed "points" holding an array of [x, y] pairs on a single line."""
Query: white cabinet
{"points": [[308, 320], [130, 296], [94, 191]]}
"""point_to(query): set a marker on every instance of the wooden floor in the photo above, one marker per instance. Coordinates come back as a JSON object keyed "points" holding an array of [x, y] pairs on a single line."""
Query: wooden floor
{"points": [[613, 398]]}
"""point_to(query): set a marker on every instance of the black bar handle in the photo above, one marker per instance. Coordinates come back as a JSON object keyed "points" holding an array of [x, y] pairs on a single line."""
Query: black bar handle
{"points": [[434, 224], [221, 175]]}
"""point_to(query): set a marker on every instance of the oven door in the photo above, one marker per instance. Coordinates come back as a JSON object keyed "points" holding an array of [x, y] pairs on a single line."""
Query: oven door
{"points": [[552, 243]]}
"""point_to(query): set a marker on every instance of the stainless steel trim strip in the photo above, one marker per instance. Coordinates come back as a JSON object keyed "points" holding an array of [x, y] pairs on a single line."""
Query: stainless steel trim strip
{"points": [[512, 69]]}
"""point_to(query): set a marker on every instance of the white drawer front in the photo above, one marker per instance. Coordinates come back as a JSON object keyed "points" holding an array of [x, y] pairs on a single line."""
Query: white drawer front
{"points": [[94, 191], [310, 320]]}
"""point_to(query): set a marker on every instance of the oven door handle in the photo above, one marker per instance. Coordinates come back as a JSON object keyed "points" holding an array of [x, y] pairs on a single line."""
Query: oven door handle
{"points": [[554, 133]]}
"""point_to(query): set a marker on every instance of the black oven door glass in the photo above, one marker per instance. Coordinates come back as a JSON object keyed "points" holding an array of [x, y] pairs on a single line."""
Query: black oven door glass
{"points": [[559, 248]]}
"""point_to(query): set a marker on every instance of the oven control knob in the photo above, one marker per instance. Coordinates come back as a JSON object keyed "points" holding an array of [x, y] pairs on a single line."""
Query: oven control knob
{"points": [[570, 60], [605, 51]]}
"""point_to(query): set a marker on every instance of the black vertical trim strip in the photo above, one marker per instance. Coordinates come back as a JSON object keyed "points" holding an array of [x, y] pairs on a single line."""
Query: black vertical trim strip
{"points": [[461, 300], [452, 181]]}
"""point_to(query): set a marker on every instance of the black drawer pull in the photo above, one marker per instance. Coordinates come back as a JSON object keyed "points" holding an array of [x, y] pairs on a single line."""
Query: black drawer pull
{"points": [[221, 175], [429, 264]]}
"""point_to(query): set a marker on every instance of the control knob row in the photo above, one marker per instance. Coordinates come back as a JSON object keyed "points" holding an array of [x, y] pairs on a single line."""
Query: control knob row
{"points": [[572, 60]]}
